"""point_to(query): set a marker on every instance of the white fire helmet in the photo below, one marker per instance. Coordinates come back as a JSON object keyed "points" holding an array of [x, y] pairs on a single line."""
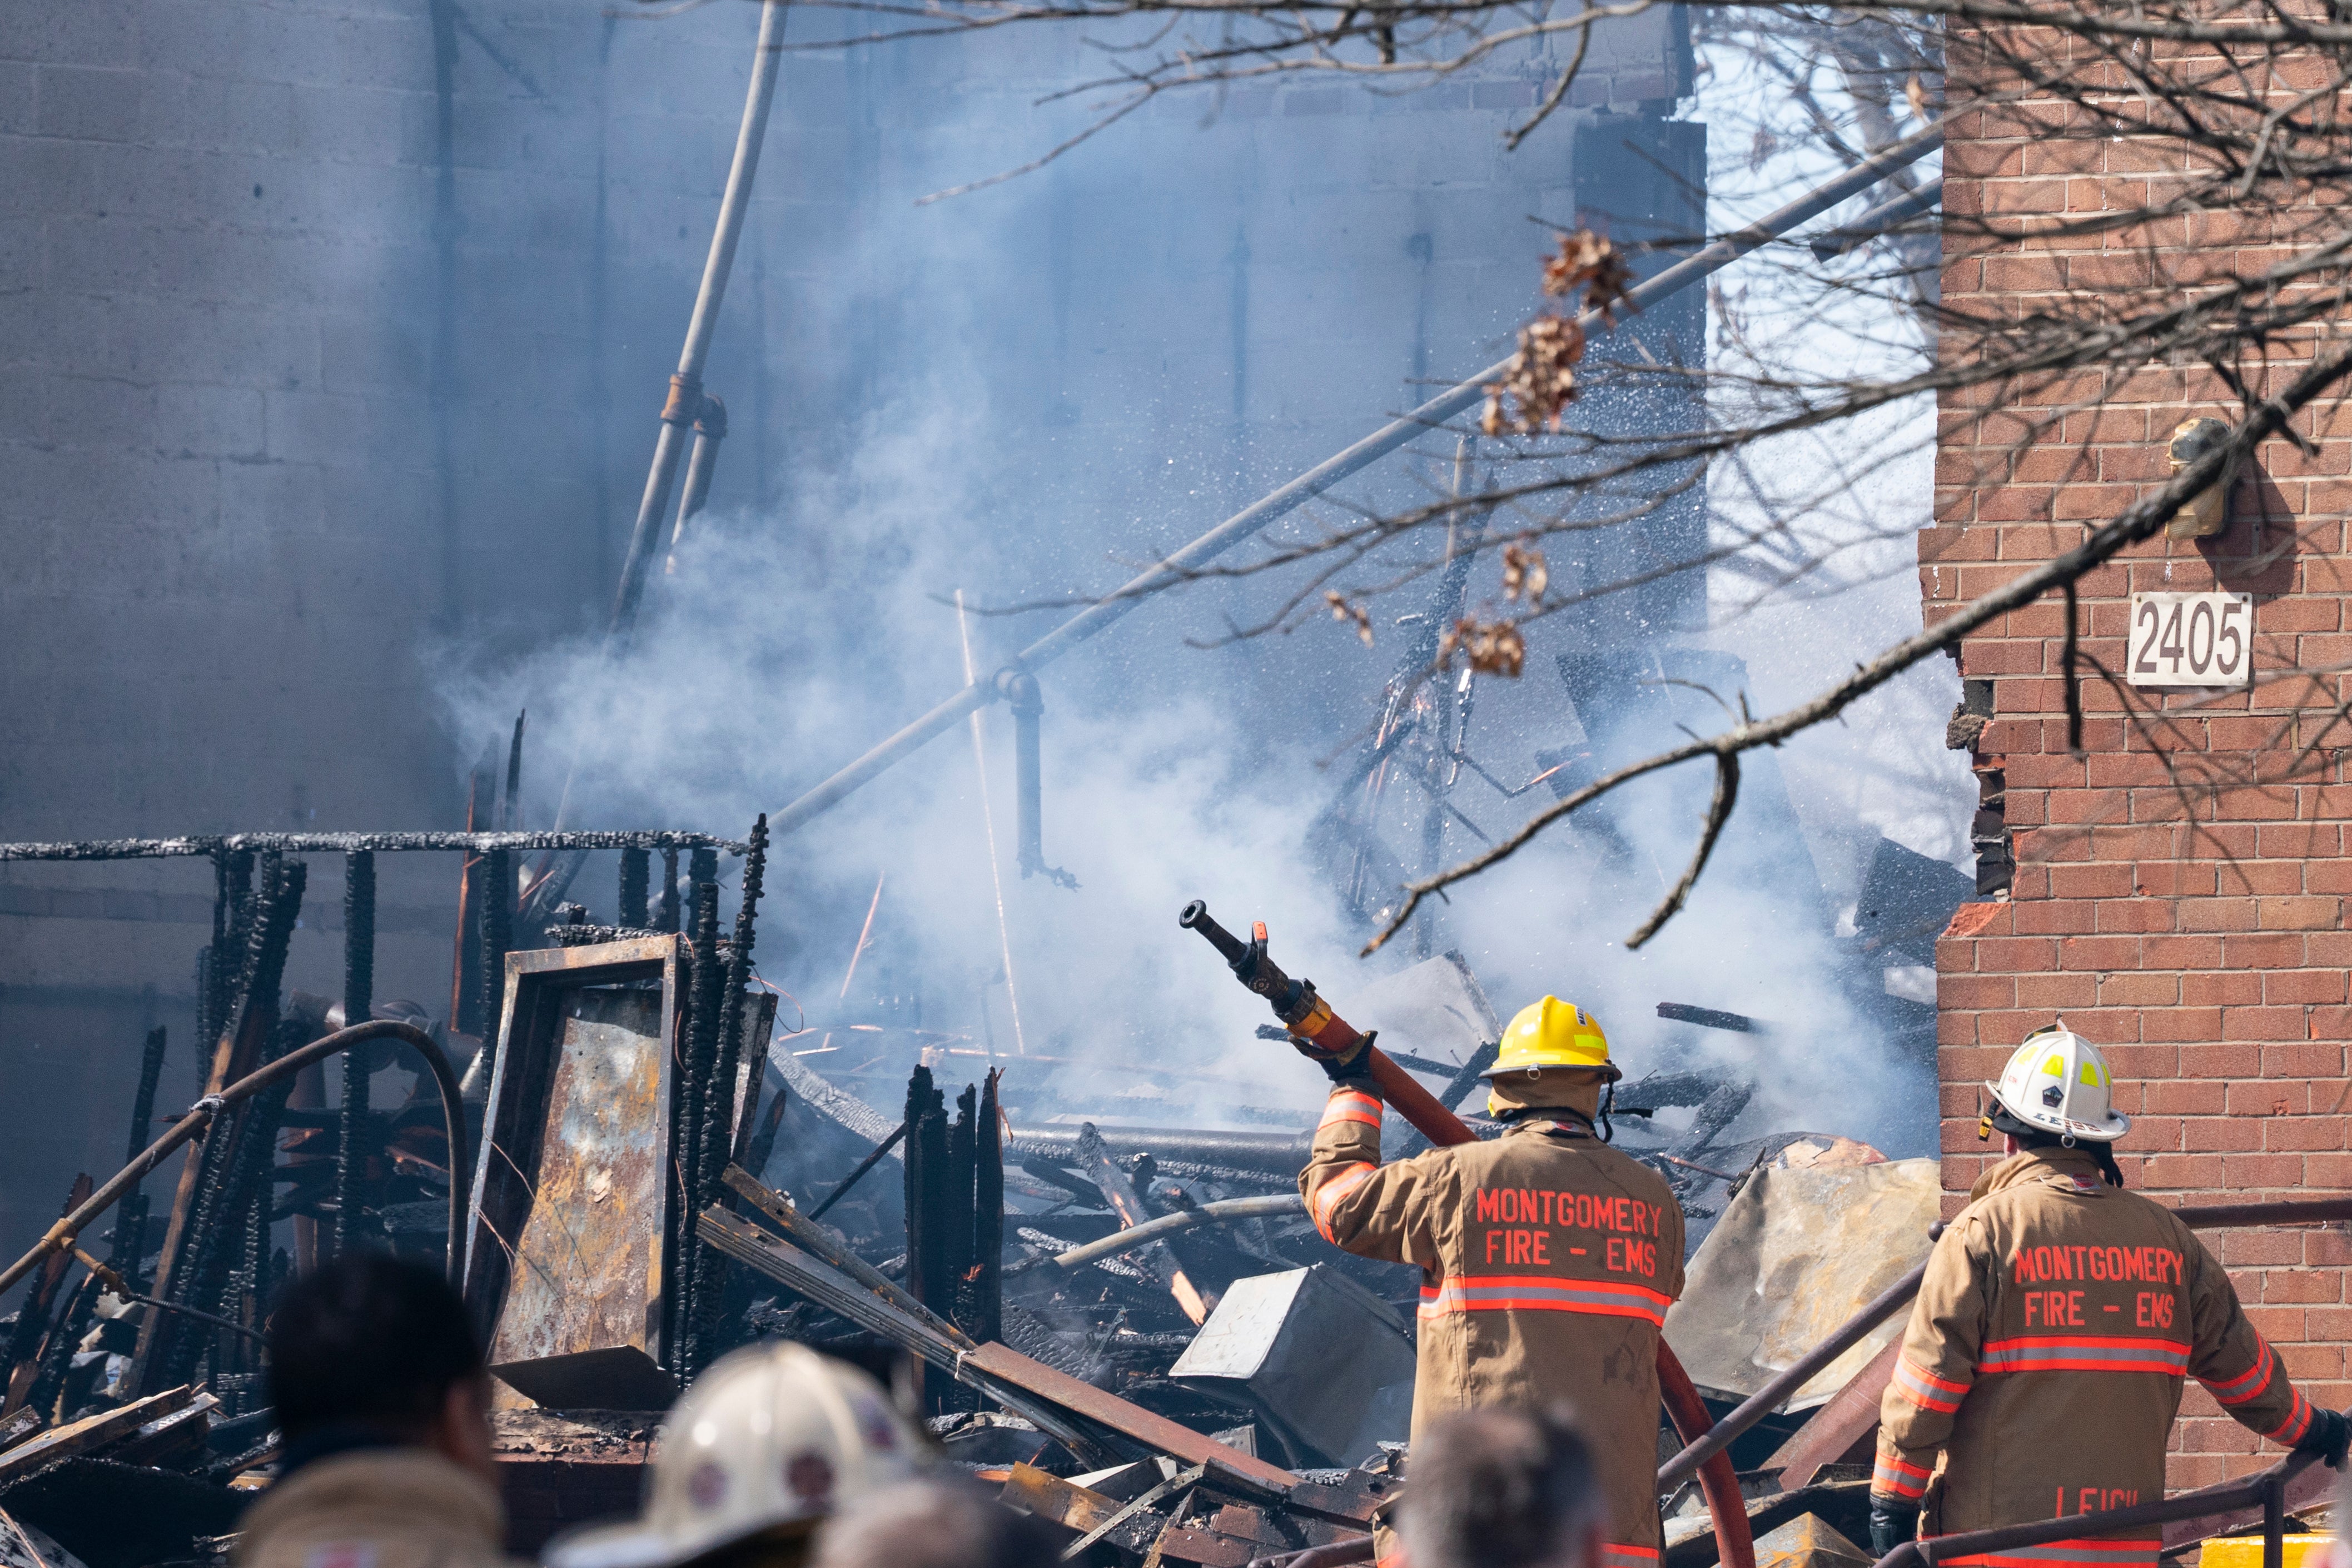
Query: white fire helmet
{"points": [[773, 1435], [2058, 1082]]}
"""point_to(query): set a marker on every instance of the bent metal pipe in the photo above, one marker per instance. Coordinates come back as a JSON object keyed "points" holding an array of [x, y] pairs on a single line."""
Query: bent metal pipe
{"points": [[62, 1235]]}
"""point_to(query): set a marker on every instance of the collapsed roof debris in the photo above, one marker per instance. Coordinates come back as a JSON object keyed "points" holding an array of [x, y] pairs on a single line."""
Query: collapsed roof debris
{"points": [[1130, 1329]]}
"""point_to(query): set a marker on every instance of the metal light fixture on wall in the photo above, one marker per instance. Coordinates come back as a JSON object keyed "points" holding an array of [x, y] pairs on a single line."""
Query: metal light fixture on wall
{"points": [[2208, 511]]}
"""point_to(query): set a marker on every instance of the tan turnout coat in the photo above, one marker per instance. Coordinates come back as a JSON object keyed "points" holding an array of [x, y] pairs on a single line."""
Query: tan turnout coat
{"points": [[2059, 1321], [376, 1508], [1548, 1260]]}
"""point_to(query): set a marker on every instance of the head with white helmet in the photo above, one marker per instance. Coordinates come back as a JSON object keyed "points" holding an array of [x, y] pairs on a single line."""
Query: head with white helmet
{"points": [[2056, 1090], [758, 1452]]}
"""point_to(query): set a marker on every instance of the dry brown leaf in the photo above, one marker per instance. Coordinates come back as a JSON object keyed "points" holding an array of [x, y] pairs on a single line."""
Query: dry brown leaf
{"points": [[1525, 571], [1492, 647], [1588, 261], [1356, 613], [1541, 380]]}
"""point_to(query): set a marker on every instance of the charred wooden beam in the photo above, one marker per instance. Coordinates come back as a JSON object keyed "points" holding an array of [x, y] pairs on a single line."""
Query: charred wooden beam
{"points": [[236, 1054], [715, 1126], [706, 981], [986, 1321], [33, 1313], [359, 1002], [129, 1255], [346, 843], [630, 905], [670, 912], [496, 888]]}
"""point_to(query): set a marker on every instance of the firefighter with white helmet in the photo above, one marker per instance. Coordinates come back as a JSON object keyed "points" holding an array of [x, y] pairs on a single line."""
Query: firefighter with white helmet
{"points": [[1547, 1259], [2059, 1321], [759, 1451]]}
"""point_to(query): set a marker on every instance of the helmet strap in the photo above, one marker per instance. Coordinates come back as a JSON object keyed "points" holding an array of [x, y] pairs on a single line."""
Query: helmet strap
{"points": [[1608, 1104]]}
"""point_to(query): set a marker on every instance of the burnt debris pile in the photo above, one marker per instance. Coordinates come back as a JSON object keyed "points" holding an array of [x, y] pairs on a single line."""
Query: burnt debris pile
{"points": [[635, 1156]]}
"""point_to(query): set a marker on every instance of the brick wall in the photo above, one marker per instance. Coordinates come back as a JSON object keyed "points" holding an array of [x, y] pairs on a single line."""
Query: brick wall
{"points": [[2177, 892]]}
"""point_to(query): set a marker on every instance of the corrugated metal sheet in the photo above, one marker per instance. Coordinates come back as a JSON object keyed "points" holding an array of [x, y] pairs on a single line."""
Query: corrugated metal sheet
{"points": [[1796, 1254]]}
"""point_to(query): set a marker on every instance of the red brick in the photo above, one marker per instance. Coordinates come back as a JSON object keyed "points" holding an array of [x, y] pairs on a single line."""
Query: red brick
{"points": [[2016, 955], [2062, 991], [2154, 989], [2185, 1096], [1976, 991], [2313, 1059], [2218, 914], [2296, 986], [2323, 1134], [2227, 989], [2058, 917], [2099, 952], [2301, 914], [2220, 1134], [2262, 1023], [2267, 952]]}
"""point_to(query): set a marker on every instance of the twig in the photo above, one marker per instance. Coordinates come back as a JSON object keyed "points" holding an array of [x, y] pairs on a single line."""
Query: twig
{"points": [[1718, 810], [2136, 522]]}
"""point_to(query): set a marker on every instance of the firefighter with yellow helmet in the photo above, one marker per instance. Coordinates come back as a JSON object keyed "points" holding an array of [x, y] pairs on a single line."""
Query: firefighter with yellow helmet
{"points": [[2059, 1320], [1547, 1259]]}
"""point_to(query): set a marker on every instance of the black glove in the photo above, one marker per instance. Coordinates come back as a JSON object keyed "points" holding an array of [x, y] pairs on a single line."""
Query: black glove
{"points": [[1355, 1069], [2330, 1434], [1891, 1524]]}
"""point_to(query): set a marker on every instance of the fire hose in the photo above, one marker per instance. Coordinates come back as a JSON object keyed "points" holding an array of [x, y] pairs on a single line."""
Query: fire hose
{"points": [[1309, 1018], [62, 1235]]}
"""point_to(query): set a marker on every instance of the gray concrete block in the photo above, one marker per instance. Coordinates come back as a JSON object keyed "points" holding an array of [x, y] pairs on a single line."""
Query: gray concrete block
{"points": [[102, 32], [371, 352], [218, 344]]}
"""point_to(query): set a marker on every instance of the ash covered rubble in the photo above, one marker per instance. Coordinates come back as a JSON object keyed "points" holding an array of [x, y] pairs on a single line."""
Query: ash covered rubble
{"points": [[1130, 1328]]}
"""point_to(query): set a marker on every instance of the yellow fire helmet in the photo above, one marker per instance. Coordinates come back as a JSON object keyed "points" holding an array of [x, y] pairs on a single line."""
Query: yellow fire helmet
{"points": [[1553, 1033]]}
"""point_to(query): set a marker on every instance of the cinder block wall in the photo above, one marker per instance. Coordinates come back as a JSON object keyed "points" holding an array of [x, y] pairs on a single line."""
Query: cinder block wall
{"points": [[2178, 891]]}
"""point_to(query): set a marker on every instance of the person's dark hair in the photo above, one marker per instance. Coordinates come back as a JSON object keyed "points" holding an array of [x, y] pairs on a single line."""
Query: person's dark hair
{"points": [[933, 1523], [1499, 1489], [368, 1340], [2029, 1136]]}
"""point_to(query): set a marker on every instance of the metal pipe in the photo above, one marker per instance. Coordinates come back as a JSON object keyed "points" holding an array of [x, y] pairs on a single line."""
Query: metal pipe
{"points": [[1878, 220], [1254, 517], [61, 1235], [2259, 1488], [1224, 1211], [709, 430], [347, 843], [686, 398], [1275, 1154], [1028, 706]]}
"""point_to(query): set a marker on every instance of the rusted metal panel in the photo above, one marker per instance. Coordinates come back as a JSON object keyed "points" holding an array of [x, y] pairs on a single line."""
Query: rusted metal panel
{"points": [[1153, 1431], [1834, 1430], [566, 1257], [1207, 1547], [1798, 1253]]}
